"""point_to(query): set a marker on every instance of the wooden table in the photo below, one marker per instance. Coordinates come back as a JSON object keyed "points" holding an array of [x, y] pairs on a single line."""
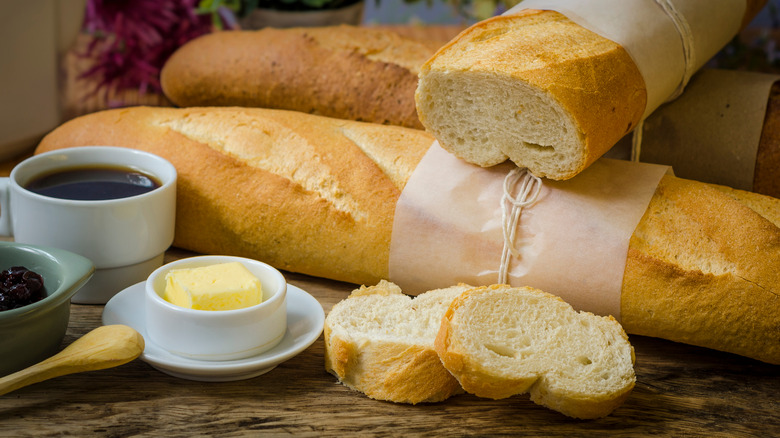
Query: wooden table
{"points": [[680, 391]]}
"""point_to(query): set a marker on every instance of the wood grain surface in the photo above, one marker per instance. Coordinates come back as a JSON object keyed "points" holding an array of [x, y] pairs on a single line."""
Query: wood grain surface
{"points": [[681, 391]]}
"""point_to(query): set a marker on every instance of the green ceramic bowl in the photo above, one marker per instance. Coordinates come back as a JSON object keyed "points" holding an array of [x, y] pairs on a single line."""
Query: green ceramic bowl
{"points": [[32, 333]]}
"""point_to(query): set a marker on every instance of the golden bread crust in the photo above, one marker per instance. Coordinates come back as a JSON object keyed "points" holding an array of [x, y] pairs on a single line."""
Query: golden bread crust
{"points": [[345, 72], [246, 177], [702, 250], [594, 80]]}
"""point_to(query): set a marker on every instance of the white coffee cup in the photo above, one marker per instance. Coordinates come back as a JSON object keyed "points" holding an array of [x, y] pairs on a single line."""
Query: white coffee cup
{"points": [[125, 238]]}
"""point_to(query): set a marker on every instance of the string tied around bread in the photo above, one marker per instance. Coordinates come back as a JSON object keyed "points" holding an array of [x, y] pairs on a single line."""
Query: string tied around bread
{"points": [[527, 187], [689, 58], [636, 141], [686, 39]]}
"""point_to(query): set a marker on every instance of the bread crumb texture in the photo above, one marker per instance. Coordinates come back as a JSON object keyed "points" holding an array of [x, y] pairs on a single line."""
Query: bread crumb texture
{"points": [[499, 341], [379, 341], [534, 88]]}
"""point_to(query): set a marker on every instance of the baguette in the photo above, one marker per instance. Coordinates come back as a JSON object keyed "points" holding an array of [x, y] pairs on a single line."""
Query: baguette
{"points": [[535, 88], [347, 72], [317, 196], [303, 193], [499, 341], [380, 342]]}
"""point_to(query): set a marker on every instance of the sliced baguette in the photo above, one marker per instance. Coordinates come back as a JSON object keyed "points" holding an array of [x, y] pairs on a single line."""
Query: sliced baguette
{"points": [[499, 341], [380, 342], [515, 87]]}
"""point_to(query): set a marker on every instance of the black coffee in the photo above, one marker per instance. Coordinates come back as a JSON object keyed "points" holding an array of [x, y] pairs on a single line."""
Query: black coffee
{"points": [[93, 183]]}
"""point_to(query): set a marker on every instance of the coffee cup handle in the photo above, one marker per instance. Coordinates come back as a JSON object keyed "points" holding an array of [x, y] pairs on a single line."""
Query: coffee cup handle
{"points": [[5, 208]]}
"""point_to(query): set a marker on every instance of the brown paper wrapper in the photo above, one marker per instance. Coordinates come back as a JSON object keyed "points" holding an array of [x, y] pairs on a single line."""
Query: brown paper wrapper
{"points": [[572, 241], [668, 41], [720, 131]]}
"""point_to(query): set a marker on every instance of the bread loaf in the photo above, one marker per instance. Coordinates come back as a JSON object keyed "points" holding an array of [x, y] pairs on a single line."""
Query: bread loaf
{"points": [[499, 341], [702, 269], [316, 195], [356, 73], [380, 342], [249, 177], [538, 89]]}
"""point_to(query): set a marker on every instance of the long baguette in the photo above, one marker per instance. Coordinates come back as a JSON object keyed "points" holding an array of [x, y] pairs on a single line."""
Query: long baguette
{"points": [[356, 73], [304, 193], [316, 195]]}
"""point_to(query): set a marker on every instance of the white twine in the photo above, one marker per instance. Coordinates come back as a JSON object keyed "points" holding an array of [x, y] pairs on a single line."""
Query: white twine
{"points": [[511, 208], [686, 37], [689, 58], [636, 141]]}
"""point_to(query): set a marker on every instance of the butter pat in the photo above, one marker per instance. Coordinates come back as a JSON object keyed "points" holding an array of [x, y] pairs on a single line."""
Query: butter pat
{"points": [[223, 286]]}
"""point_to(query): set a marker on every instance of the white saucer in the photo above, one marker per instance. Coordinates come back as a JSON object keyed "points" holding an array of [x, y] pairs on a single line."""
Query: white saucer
{"points": [[305, 321]]}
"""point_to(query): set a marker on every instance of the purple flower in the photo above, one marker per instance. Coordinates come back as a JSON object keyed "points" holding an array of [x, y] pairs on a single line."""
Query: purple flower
{"points": [[134, 38]]}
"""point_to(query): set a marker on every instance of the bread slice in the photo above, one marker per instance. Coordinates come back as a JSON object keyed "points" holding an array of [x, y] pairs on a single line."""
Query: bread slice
{"points": [[499, 341], [380, 342]]}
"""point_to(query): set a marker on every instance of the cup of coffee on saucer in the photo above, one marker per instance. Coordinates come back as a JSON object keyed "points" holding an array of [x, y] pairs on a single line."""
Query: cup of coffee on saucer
{"points": [[115, 206]]}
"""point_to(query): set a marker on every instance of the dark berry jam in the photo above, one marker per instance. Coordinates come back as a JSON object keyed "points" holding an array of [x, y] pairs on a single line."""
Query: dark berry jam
{"points": [[19, 287]]}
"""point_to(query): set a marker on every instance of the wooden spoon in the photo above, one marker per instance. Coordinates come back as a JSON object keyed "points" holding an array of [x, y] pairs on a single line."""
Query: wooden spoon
{"points": [[104, 347]]}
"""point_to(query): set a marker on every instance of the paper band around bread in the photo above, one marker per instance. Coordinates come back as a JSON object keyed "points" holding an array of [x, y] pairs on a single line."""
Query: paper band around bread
{"points": [[451, 212]]}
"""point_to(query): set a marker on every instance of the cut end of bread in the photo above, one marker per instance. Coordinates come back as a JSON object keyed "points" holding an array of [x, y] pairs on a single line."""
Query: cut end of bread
{"points": [[486, 119], [533, 87], [499, 341], [379, 341]]}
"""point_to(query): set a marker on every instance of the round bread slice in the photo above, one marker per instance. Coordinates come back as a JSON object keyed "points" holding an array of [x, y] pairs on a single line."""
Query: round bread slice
{"points": [[379, 341], [499, 341]]}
